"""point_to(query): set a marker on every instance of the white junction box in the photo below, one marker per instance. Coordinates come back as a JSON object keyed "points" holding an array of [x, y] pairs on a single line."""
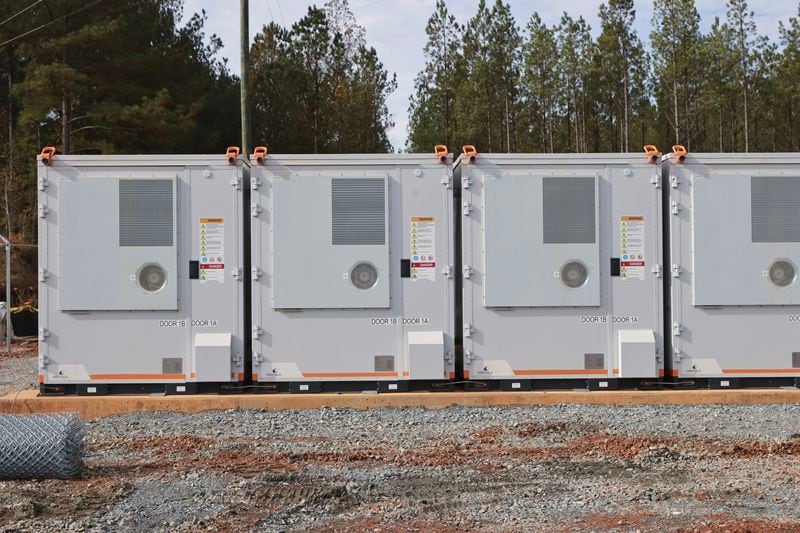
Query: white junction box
{"points": [[734, 255], [352, 271], [562, 268], [140, 273]]}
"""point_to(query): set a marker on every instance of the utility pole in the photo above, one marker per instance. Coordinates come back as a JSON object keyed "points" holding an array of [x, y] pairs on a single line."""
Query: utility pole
{"points": [[244, 36]]}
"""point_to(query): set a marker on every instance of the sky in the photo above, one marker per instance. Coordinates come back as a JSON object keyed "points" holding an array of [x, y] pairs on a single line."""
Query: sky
{"points": [[396, 28]]}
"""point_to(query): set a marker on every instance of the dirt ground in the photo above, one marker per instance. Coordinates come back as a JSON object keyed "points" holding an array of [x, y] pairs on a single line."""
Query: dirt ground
{"points": [[562, 468]]}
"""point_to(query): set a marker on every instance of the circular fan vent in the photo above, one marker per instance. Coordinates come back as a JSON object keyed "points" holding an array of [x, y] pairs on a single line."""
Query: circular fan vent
{"points": [[574, 274], [364, 275], [782, 273], [152, 277]]}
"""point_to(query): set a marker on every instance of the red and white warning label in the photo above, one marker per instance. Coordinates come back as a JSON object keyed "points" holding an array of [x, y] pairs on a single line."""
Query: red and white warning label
{"points": [[423, 247], [212, 250], [631, 247]]}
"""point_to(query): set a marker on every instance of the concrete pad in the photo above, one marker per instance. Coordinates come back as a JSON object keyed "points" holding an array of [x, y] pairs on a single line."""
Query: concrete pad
{"points": [[99, 406]]}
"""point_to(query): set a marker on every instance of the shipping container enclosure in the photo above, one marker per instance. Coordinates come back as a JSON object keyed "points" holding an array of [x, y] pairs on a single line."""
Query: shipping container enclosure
{"points": [[141, 273], [352, 272], [562, 274], [734, 256]]}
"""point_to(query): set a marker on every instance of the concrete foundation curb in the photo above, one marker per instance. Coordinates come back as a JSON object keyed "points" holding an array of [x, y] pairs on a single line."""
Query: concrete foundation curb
{"points": [[100, 406]]}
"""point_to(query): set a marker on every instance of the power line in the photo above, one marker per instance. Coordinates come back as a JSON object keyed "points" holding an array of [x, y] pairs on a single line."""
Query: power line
{"points": [[271, 16], [280, 11], [84, 8], [15, 15]]}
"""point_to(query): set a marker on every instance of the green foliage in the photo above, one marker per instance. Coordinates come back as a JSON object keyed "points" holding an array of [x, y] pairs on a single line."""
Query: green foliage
{"points": [[318, 88]]}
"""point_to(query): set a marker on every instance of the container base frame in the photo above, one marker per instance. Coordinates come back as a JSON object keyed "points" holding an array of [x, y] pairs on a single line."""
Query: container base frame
{"points": [[770, 382], [564, 384], [106, 389], [311, 387]]}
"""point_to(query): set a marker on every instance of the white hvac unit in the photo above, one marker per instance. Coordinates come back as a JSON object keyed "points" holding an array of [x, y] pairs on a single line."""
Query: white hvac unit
{"points": [[140, 273], [562, 269], [734, 257], [352, 271]]}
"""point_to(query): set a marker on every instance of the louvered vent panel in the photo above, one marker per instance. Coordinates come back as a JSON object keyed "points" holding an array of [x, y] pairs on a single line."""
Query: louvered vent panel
{"points": [[568, 210], [359, 211], [775, 208], [145, 212]]}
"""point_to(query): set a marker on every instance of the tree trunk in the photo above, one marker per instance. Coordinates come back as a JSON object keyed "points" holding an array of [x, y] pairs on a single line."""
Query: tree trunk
{"points": [[10, 176]]}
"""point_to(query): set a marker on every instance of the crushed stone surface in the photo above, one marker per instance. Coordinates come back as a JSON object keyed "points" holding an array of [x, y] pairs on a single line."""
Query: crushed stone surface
{"points": [[555, 468], [18, 370]]}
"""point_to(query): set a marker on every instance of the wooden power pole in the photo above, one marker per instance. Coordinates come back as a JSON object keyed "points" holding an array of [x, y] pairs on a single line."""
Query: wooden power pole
{"points": [[244, 24]]}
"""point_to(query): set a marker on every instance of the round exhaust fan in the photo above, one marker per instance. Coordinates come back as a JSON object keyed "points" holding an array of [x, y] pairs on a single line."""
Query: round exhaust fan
{"points": [[574, 274], [152, 277], [364, 275], [782, 273]]}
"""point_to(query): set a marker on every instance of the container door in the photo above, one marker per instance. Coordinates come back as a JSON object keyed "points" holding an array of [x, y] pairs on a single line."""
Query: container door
{"points": [[331, 241], [118, 248], [541, 241], [746, 234]]}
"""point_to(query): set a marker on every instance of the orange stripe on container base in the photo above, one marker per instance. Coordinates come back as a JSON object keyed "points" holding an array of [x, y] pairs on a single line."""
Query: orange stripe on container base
{"points": [[255, 376], [576, 372], [761, 371], [241, 376], [349, 374], [41, 379], [104, 377]]}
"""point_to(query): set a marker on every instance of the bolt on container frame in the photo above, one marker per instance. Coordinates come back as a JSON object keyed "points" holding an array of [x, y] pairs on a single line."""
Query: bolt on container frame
{"points": [[352, 275], [562, 274], [141, 273], [734, 254]]}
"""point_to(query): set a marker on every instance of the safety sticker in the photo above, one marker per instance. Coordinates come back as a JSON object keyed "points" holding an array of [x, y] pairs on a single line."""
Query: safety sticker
{"points": [[423, 247], [631, 247], [212, 250]]}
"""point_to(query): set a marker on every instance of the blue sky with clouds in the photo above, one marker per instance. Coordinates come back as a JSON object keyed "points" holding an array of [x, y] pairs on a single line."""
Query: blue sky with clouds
{"points": [[396, 28]]}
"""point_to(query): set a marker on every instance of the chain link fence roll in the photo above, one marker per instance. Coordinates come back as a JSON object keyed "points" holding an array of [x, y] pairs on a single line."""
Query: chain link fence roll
{"points": [[41, 446]]}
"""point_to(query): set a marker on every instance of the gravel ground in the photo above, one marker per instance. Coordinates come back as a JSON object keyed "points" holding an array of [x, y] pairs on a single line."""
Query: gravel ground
{"points": [[18, 370], [561, 468]]}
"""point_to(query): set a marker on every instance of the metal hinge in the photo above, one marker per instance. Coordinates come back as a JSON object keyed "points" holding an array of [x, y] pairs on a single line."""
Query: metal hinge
{"points": [[257, 331], [465, 182], [447, 272], [447, 181], [255, 273], [236, 358], [257, 358], [43, 334], [450, 357], [255, 181], [468, 356], [237, 273], [674, 181], [676, 207], [254, 209], [43, 210], [657, 271], [43, 274], [467, 271], [656, 182], [43, 183], [676, 270], [237, 182], [466, 208], [467, 330], [659, 356], [677, 355], [43, 361], [676, 329]]}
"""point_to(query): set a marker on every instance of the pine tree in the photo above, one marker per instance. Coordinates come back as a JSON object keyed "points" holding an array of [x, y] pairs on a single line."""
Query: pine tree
{"points": [[575, 52], [745, 47], [676, 41], [540, 86], [432, 108], [787, 82]]}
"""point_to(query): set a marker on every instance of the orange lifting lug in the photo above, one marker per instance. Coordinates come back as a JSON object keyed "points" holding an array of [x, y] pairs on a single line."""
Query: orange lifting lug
{"points": [[47, 155], [652, 153], [441, 152], [680, 153], [470, 152], [232, 154], [260, 154]]}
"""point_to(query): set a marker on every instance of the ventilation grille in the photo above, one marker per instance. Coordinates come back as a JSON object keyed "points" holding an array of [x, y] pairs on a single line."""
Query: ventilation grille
{"points": [[359, 211], [568, 210], [145, 212], [775, 208]]}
